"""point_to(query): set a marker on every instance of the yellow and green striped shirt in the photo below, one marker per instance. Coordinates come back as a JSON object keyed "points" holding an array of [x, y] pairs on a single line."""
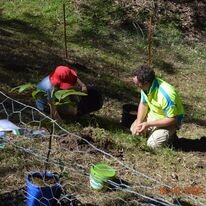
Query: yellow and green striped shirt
{"points": [[163, 101]]}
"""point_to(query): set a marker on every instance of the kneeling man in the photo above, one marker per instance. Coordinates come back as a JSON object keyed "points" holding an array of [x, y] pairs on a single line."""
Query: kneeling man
{"points": [[160, 111]]}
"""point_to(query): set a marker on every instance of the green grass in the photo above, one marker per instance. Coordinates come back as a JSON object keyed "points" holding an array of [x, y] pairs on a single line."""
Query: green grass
{"points": [[111, 51], [33, 44]]}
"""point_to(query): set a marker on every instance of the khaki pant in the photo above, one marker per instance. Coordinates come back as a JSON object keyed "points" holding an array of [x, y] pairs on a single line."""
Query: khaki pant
{"points": [[158, 136]]}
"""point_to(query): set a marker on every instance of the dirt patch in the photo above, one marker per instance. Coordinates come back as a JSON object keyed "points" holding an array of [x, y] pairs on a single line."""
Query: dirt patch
{"points": [[88, 142]]}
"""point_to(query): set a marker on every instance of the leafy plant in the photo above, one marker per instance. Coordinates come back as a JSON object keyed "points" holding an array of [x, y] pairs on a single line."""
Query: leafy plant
{"points": [[62, 96], [36, 94], [23, 87], [62, 173], [59, 97]]}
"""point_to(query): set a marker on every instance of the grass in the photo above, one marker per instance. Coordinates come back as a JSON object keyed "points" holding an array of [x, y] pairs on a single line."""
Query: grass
{"points": [[32, 45]]}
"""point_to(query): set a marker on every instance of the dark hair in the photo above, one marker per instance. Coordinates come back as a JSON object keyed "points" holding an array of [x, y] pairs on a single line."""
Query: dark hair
{"points": [[144, 73]]}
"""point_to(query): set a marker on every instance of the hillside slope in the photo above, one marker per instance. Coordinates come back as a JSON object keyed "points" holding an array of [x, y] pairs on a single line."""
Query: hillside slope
{"points": [[189, 15], [106, 40]]}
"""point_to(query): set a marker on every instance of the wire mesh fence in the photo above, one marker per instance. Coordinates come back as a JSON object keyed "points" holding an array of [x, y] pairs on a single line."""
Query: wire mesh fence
{"points": [[28, 177]]}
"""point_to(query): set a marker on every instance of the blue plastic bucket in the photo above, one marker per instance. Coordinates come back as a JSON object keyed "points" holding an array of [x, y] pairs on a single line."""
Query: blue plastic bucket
{"points": [[42, 195]]}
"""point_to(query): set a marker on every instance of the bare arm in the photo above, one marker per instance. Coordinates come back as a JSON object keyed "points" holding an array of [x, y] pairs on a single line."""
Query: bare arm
{"points": [[141, 125], [158, 123], [162, 122], [141, 114], [82, 85]]}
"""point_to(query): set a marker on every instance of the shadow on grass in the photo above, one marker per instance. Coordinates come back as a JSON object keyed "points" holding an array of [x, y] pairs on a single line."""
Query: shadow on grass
{"points": [[18, 198], [28, 57], [165, 66], [13, 198], [98, 121], [194, 114], [128, 115], [22, 44], [199, 122], [118, 183], [7, 171], [15, 25], [190, 145]]}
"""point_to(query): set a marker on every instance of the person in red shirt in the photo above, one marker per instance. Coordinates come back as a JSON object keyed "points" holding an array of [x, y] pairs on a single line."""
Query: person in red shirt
{"points": [[63, 78]]}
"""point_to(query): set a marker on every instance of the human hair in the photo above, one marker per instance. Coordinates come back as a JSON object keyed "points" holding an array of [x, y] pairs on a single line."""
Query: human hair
{"points": [[144, 73]]}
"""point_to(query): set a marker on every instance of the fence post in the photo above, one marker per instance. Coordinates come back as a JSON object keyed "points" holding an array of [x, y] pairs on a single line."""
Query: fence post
{"points": [[150, 41], [65, 33]]}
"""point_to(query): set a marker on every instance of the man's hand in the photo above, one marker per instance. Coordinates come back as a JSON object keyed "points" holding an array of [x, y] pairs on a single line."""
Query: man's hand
{"points": [[135, 128], [139, 128], [143, 127]]}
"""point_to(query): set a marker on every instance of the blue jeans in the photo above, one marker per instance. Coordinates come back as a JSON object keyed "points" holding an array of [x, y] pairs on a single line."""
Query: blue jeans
{"points": [[45, 85]]}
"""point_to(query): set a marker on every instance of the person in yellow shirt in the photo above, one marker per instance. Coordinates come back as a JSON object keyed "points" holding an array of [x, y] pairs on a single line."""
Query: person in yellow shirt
{"points": [[160, 111]]}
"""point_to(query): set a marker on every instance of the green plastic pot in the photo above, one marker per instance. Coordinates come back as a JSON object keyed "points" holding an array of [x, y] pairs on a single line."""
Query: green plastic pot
{"points": [[99, 174]]}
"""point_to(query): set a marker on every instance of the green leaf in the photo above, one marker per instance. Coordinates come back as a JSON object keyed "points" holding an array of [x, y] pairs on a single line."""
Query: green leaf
{"points": [[65, 174], [61, 165], [63, 103], [62, 94], [37, 94], [23, 87]]}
